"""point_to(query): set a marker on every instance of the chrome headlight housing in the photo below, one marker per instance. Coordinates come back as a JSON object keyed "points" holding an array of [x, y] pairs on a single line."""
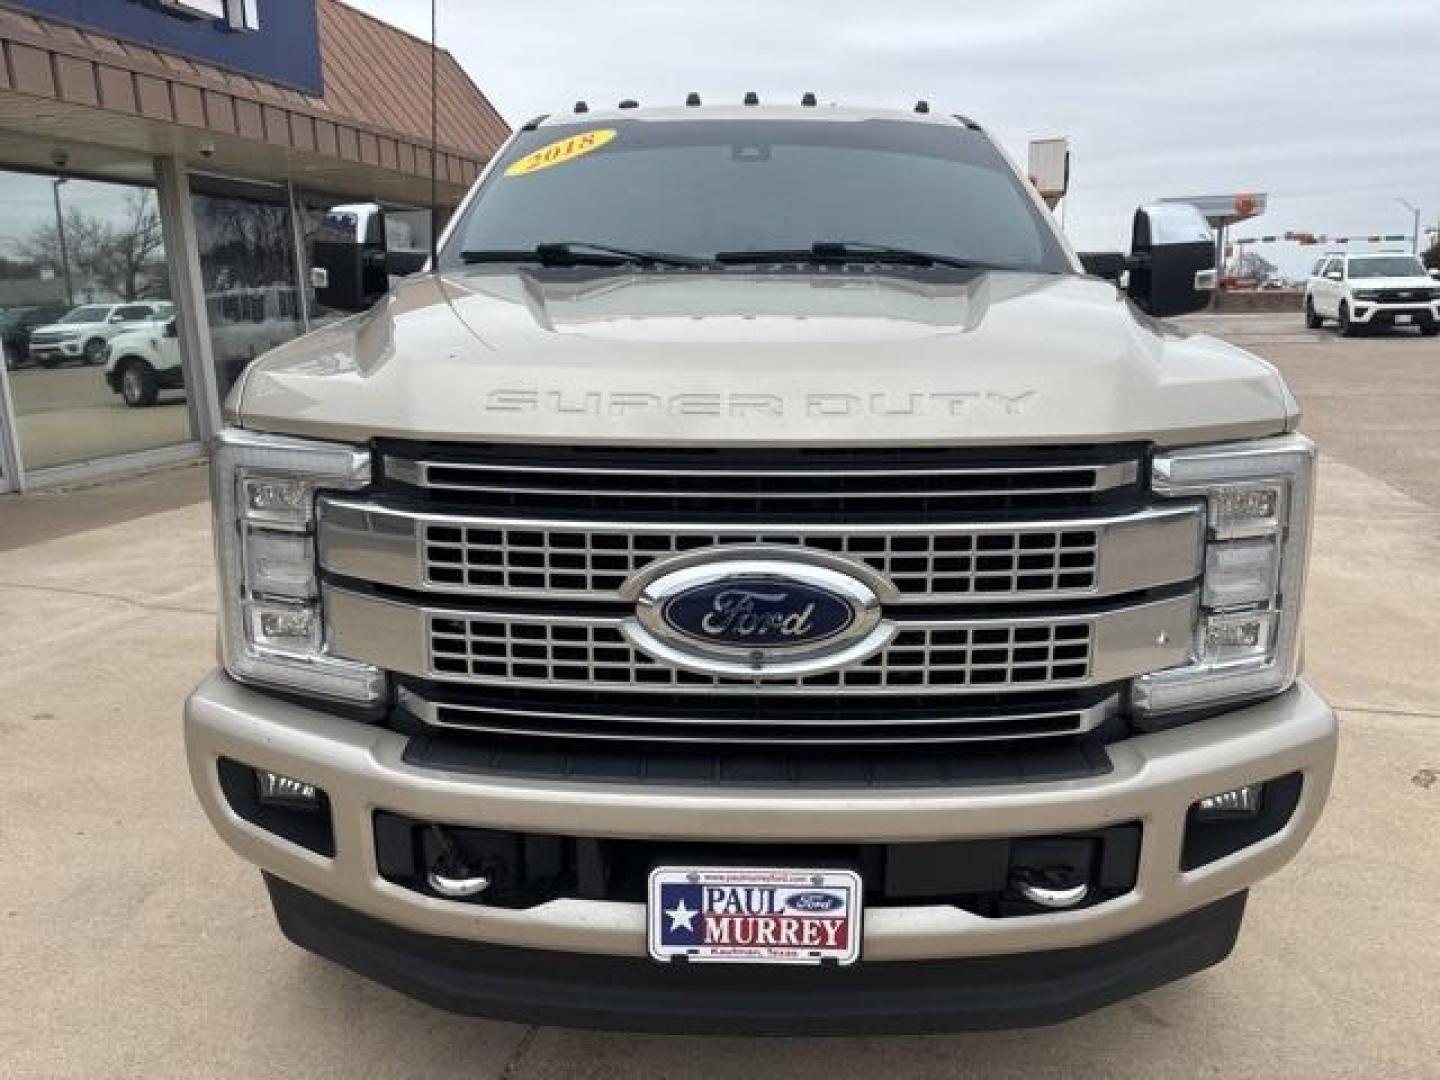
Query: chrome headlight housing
{"points": [[1259, 499], [272, 620]]}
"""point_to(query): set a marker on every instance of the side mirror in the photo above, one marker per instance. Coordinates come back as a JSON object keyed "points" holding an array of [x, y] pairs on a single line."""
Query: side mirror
{"points": [[1172, 260], [1435, 272], [347, 257], [171, 330], [1335, 275], [116, 318]]}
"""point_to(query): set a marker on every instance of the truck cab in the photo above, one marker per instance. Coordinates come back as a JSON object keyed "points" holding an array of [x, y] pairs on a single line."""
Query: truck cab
{"points": [[758, 581]]}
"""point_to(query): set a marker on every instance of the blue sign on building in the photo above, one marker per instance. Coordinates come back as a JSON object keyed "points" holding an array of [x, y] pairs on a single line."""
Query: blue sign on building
{"points": [[274, 40]]}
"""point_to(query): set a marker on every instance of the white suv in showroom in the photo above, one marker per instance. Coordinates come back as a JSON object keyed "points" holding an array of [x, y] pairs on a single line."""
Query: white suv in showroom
{"points": [[83, 334], [1380, 290]]}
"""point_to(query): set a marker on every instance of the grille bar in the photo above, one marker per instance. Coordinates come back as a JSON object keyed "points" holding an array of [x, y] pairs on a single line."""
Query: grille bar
{"points": [[679, 727], [721, 486], [584, 560], [931, 657]]}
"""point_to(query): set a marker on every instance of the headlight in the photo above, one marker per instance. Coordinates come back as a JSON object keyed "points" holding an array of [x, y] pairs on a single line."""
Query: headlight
{"points": [[1259, 509], [272, 623]]}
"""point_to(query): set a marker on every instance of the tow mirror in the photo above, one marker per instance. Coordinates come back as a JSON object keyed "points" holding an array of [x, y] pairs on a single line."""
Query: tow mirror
{"points": [[348, 259], [171, 330], [1172, 260]]}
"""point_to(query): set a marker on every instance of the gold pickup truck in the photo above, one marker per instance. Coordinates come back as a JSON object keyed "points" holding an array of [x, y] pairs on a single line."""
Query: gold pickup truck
{"points": [[757, 581]]}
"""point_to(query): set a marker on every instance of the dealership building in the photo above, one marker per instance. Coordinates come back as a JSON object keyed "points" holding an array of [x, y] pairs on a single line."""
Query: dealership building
{"points": [[165, 168]]}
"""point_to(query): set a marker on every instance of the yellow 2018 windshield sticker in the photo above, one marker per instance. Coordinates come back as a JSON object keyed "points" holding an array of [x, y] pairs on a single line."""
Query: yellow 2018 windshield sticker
{"points": [[557, 153]]}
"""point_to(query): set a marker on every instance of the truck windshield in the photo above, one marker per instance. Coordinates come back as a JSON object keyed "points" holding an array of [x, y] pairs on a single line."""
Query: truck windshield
{"points": [[698, 188], [1387, 266]]}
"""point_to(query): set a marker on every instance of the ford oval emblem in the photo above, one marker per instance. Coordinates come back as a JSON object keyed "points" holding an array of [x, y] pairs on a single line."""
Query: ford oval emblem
{"points": [[758, 611], [814, 901], [759, 617]]}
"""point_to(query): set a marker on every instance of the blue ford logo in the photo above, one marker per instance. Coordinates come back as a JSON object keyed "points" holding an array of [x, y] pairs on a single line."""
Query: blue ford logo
{"points": [[814, 901], [758, 612], [722, 614]]}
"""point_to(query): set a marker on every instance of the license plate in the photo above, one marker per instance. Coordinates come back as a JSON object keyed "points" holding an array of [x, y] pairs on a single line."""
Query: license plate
{"points": [[1402, 320], [727, 915]]}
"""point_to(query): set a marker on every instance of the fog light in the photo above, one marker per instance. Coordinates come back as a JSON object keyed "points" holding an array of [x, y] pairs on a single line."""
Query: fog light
{"points": [[1227, 805], [273, 789]]}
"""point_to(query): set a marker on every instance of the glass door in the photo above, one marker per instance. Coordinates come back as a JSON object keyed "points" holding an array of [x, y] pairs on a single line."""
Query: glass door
{"points": [[247, 260]]}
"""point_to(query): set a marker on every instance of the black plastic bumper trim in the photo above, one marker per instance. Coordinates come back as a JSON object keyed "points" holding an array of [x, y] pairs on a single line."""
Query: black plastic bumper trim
{"points": [[636, 994]]}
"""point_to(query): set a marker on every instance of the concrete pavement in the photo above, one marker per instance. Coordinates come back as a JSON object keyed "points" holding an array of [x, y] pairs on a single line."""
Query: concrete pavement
{"points": [[132, 943]]}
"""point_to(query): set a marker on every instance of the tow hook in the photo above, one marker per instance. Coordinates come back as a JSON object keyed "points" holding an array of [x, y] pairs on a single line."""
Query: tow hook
{"points": [[456, 887], [1055, 888], [449, 876]]}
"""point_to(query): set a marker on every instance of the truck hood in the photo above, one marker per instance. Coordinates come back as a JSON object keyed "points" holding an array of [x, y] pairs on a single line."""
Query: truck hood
{"points": [[839, 358]]}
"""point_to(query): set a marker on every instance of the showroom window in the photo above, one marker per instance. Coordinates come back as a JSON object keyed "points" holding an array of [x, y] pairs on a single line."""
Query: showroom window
{"points": [[84, 302]]}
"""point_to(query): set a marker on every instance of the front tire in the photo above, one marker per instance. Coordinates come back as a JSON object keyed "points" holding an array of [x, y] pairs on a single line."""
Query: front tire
{"points": [[1430, 328], [1347, 327], [1312, 317], [138, 384], [94, 352]]}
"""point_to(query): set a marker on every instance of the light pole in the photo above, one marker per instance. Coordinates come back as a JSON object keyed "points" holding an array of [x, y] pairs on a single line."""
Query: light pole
{"points": [[64, 250], [1415, 227]]}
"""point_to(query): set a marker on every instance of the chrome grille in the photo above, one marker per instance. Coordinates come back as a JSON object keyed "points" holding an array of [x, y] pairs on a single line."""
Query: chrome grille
{"points": [[496, 556], [498, 584], [573, 652]]}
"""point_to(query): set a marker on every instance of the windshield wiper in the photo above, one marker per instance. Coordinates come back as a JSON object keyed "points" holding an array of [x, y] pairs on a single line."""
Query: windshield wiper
{"points": [[573, 252], [857, 251]]}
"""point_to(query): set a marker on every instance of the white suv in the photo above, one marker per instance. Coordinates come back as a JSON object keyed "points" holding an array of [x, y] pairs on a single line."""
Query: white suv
{"points": [[1373, 290], [144, 360], [83, 334]]}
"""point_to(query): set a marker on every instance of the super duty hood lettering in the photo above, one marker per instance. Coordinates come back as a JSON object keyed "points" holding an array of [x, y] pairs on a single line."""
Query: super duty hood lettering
{"points": [[742, 406]]}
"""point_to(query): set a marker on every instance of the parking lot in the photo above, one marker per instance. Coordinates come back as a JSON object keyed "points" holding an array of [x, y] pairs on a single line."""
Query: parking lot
{"points": [[69, 414], [132, 943]]}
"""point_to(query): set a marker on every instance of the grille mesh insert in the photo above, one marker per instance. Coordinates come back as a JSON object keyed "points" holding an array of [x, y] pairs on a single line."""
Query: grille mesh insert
{"points": [[920, 565], [580, 654]]}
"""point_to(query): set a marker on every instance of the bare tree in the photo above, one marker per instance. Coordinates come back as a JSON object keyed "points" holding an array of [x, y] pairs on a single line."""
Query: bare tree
{"points": [[116, 258], [130, 252]]}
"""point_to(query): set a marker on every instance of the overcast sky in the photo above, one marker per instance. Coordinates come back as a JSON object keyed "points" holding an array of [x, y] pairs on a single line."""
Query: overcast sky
{"points": [[1330, 106]]}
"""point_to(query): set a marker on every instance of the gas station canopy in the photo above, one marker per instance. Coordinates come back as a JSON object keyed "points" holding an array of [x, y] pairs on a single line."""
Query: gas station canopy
{"points": [[1223, 211]]}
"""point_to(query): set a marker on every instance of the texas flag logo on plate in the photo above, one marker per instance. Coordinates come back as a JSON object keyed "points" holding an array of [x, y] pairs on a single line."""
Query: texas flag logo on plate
{"points": [[745, 916]]}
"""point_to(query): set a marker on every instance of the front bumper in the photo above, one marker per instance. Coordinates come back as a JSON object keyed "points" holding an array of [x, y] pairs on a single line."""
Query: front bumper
{"points": [[1370, 311], [67, 349], [634, 994], [1154, 780]]}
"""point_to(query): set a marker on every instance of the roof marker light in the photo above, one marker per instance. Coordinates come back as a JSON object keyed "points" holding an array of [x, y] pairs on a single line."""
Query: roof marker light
{"points": [[629, 103], [581, 107], [808, 100], [692, 99], [922, 106], [752, 98]]}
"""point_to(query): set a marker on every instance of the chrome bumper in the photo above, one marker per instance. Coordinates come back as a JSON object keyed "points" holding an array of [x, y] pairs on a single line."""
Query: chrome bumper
{"points": [[1155, 780]]}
